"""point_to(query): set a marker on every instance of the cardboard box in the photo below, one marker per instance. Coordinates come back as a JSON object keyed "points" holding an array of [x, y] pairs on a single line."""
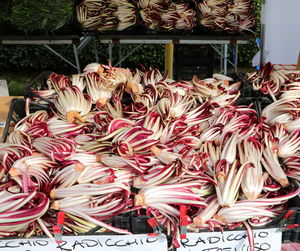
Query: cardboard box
{"points": [[4, 109]]}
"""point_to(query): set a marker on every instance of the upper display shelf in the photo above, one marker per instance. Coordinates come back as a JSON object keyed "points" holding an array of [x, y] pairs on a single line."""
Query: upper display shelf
{"points": [[175, 39], [109, 18], [127, 39]]}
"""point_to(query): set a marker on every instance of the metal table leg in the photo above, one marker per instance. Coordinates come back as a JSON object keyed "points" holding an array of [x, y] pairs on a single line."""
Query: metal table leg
{"points": [[221, 58], [236, 58], [225, 58], [128, 55], [76, 58], [110, 52]]}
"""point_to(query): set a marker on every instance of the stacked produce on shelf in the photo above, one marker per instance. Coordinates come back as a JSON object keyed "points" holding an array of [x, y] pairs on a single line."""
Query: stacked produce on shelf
{"points": [[106, 15], [168, 15], [277, 83], [233, 16], [176, 142]]}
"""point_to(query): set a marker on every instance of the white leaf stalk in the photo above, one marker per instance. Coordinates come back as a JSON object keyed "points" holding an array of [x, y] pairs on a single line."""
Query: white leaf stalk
{"points": [[162, 197], [208, 213], [280, 111], [252, 183], [92, 68], [68, 175], [228, 179], [56, 149], [229, 148], [99, 91], [72, 105], [32, 168], [79, 81], [290, 145], [271, 163]]}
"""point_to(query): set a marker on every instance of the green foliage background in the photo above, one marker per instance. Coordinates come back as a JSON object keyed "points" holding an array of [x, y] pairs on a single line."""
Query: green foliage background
{"points": [[40, 15]]}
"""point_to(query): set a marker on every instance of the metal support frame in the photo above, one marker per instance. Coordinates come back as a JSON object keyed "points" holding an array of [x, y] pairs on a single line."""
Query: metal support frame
{"points": [[166, 39], [78, 46], [60, 56], [128, 55], [224, 59], [79, 43], [110, 47], [236, 57], [221, 54]]}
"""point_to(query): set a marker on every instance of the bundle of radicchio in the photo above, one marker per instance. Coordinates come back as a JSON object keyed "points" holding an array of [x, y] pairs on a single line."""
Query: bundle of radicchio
{"points": [[233, 16], [167, 15], [103, 15]]}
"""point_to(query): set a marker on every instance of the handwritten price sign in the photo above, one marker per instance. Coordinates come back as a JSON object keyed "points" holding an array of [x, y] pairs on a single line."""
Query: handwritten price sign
{"points": [[88, 243], [264, 239]]}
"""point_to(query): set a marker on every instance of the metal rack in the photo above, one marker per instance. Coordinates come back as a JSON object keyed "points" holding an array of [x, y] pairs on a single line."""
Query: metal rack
{"points": [[212, 40], [79, 43]]}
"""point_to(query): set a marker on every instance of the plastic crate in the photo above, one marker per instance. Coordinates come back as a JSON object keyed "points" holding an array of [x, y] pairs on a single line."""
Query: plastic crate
{"points": [[248, 95], [17, 112], [37, 83], [190, 60], [293, 235]]}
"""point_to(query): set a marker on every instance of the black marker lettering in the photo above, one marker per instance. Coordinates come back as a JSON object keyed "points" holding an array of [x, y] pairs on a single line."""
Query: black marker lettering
{"points": [[263, 234], [184, 242], [229, 237], [61, 246], [130, 243], [239, 237], [200, 240], [151, 239], [8, 245], [264, 246], [90, 243], [99, 243], [213, 240], [141, 241], [42, 243], [121, 245], [107, 244], [76, 243], [23, 243]]}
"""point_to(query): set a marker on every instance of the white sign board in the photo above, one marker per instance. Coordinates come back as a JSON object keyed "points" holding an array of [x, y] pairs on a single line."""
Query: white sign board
{"points": [[3, 88], [140, 242], [264, 239], [281, 36]]}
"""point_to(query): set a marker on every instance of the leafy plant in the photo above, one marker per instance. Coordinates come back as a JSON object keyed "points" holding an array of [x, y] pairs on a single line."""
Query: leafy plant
{"points": [[3, 9], [41, 15]]}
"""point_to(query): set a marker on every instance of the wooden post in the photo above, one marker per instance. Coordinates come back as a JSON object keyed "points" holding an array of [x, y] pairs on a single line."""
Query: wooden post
{"points": [[169, 59], [298, 64]]}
